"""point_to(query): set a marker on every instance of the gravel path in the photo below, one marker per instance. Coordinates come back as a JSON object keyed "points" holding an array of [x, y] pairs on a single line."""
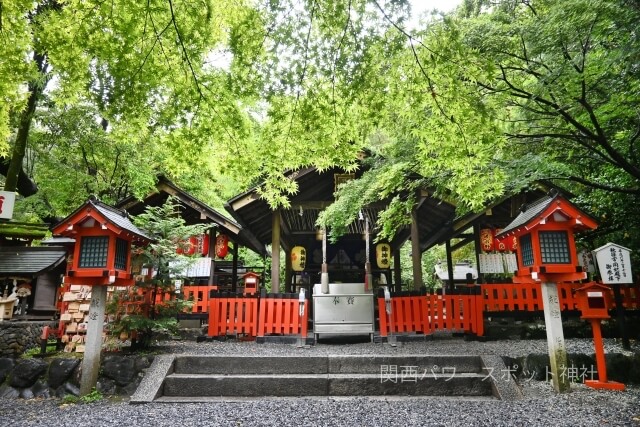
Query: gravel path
{"points": [[540, 406]]}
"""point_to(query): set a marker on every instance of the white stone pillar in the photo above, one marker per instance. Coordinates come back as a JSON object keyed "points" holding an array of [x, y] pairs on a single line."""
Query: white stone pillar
{"points": [[93, 341], [555, 337]]}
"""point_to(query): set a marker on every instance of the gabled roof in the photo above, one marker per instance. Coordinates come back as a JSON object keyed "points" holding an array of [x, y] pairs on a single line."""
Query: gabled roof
{"points": [[539, 210], [33, 260], [193, 211], [438, 221], [116, 219], [527, 213]]}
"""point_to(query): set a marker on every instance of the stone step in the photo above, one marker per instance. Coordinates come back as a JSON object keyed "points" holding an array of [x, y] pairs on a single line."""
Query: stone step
{"points": [[375, 384], [334, 364], [183, 378]]}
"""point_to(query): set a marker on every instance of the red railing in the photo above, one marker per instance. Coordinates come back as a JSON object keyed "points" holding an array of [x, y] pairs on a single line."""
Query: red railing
{"points": [[280, 315], [527, 297], [232, 315], [200, 297], [273, 314], [425, 314]]}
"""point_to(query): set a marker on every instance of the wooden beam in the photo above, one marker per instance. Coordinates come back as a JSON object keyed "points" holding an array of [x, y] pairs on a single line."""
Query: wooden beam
{"points": [[462, 243]]}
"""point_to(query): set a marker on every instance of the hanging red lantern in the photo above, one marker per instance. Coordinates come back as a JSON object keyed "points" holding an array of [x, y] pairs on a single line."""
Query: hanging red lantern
{"points": [[499, 244], [222, 245], [512, 243], [486, 240], [195, 245]]}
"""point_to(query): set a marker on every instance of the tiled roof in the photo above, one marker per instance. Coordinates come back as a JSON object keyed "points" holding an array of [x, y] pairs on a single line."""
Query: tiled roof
{"points": [[118, 217], [30, 260], [528, 212]]}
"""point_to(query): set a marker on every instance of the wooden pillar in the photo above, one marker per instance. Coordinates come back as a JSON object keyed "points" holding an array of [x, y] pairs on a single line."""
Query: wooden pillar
{"points": [[212, 255], [289, 286], [447, 246], [478, 249], [234, 268], [275, 252], [397, 272], [416, 254]]}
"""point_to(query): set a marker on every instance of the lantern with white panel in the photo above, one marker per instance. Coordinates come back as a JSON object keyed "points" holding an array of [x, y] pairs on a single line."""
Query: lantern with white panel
{"points": [[546, 253]]}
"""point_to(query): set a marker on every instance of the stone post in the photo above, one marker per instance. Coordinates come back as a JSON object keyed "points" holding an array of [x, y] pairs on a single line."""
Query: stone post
{"points": [[93, 343], [555, 337]]}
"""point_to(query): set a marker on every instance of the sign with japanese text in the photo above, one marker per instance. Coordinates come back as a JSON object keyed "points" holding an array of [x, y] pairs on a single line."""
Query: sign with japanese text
{"points": [[7, 200], [585, 260], [614, 264]]}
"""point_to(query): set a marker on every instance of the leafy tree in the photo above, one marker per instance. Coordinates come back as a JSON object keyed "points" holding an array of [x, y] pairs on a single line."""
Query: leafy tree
{"points": [[562, 82], [169, 233], [139, 68]]}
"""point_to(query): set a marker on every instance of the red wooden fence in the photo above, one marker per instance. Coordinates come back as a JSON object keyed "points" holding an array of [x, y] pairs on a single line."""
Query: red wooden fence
{"points": [[273, 314], [200, 297], [280, 315], [527, 297], [427, 313], [411, 313], [231, 315]]}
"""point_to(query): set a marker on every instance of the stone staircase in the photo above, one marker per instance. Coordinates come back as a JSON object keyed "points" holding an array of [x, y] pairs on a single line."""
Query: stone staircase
{"points": [[183, 378]]}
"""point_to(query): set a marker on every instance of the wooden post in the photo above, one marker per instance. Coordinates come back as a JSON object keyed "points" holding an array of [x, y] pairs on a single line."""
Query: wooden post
{"points": [[555, 337], [234, 268], [275, 252], [449, 266], [416, 254], [397, 272], [212, 255], [289, 286], [324, 274], [93, 343], [620, 319], [476, 239]]}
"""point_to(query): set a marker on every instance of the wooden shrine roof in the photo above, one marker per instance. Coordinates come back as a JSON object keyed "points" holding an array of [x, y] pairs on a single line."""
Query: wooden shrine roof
{"points": [[193, 211]]}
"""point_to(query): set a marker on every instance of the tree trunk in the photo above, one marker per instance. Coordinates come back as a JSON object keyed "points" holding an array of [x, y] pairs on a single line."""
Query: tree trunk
{"points": [[22, 136]]}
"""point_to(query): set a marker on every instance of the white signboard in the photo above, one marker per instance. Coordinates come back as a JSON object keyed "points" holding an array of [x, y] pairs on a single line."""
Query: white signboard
{"points": [[491, 263], [614, 264], [7, 200], [511, 261]]}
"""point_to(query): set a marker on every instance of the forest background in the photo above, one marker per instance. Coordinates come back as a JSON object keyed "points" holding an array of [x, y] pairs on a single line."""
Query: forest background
{"points": [[487, 99]]}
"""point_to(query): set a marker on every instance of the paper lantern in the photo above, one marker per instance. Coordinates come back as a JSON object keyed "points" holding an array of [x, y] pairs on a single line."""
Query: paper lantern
{"points": [[222, 245], [499, 244], [383, 255], [298, 258], [486, 240], [195, 245]]}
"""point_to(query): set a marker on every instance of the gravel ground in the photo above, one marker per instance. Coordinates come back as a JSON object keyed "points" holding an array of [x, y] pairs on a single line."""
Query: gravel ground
{"points": [[540, 406]]}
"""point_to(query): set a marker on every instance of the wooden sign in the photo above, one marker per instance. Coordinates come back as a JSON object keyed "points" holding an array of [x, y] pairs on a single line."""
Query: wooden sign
{"points": [[7, 201]]}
